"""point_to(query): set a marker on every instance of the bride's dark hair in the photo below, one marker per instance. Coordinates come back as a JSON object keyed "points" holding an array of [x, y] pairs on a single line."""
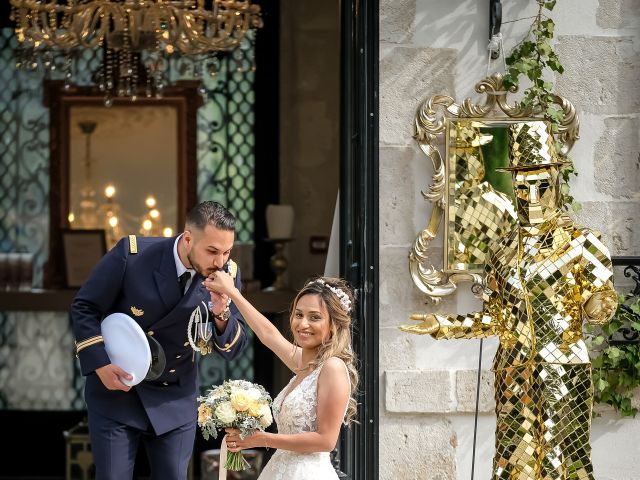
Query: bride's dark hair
{"points": [[338, 297]]}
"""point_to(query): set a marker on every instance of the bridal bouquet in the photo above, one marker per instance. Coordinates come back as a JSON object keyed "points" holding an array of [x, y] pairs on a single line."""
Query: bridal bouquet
{"points": [[235, 404]]}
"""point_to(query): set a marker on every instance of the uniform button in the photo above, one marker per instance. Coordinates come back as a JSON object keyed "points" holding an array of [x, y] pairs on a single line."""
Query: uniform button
{"points": [[165, 383], [226, 345], [173, 370], [178, 356], [150, 333], [186, 344]]}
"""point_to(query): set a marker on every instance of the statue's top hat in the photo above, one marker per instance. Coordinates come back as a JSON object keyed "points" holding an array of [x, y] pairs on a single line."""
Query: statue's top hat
{"points": [[532, 146], [467, 134]]}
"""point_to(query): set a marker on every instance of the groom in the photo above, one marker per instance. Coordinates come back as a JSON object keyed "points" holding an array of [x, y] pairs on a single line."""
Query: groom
{"points": [[158, 282]]}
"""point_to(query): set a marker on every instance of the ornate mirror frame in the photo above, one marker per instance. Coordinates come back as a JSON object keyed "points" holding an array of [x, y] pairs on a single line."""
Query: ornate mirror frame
{"points": [[184, 97], [432, 122]]}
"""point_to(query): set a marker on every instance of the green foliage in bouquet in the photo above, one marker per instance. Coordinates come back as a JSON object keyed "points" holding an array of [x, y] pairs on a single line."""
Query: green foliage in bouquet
{"points": [[616, 365]]}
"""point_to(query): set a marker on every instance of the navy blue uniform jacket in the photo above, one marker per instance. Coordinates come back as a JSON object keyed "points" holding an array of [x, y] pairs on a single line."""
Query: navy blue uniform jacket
{"points": [[145, 286]]}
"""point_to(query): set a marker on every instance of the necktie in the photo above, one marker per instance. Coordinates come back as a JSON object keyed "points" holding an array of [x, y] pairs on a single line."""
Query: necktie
{"points": [[182, 281]]}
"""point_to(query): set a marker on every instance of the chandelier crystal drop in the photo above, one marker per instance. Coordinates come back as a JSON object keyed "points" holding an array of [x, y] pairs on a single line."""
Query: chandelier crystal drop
{"points": [[139, 38]]}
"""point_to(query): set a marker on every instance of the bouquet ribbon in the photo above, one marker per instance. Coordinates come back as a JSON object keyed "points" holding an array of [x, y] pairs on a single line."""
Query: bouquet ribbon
{"points": [[222, 469]]}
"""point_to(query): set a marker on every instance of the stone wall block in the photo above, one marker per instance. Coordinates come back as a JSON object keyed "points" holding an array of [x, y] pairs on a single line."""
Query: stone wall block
{"points": [[466, 388], [396, 349], [616, 221], [398, 296], [617, 158], [419, 391], [407, 76], [601, 73], [397, 205], [397, 20], [618, 13], [415, 450]]}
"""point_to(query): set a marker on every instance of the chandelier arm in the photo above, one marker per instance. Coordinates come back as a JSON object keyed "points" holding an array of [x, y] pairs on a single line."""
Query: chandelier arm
{"points": [[85, 26], [152, 29]]}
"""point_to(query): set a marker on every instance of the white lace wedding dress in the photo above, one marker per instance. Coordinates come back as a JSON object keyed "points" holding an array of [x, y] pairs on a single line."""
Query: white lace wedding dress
{"points": [[295, 414]]}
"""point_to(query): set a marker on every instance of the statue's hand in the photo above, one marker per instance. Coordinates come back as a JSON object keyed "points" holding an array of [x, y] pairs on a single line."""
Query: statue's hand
{"points": [[600, 307], [428, 325]]}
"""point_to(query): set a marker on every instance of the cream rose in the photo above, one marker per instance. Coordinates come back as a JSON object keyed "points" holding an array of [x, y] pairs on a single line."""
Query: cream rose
{"points": [[265, 416], [225, 412], [240, 401], [255, 409]]}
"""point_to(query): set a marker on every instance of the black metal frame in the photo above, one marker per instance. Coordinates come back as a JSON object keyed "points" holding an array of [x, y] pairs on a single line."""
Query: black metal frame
{"points": [[359, 220], [625, 334], [495, 22]]}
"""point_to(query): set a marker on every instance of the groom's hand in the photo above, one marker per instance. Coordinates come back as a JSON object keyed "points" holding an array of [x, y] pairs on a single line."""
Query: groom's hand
{"points": [[218, 302]]}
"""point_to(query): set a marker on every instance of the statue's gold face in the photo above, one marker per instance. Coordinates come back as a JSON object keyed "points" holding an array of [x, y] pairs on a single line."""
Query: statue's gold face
{"points": [[537, 194]]}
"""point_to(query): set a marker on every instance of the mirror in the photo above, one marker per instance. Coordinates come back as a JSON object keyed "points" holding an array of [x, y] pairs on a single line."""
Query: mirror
{"points": [[121, 178], [480, 200], [127, 169], [472, 199]]}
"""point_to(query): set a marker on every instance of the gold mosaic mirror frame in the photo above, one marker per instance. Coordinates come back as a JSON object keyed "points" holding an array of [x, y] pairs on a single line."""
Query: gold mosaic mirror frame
{"points": [[437, 120]]}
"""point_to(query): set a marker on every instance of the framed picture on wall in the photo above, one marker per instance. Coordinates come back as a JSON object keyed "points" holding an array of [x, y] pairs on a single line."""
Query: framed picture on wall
{"points": [[83, 249]]}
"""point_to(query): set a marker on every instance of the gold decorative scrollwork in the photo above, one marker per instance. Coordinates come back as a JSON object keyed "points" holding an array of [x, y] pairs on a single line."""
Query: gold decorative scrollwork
{"points": [[430, 127]]}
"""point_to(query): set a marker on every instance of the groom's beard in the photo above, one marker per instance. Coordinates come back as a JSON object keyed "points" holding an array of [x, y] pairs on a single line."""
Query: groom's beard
{"points": [[204, 272]]}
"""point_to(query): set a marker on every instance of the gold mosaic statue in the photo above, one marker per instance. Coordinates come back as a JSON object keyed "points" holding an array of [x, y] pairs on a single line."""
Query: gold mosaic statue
{"points": [[541, 282], [479, 211]]}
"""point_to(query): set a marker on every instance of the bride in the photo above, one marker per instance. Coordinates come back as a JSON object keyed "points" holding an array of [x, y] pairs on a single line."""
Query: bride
{"points": [[320, 397]]}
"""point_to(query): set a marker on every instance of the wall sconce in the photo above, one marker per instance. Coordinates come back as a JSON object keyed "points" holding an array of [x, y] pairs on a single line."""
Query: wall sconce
{"points": [[280, 230]]}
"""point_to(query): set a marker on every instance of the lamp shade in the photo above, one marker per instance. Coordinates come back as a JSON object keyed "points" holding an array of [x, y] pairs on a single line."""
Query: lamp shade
{"points": [[279, 221]]}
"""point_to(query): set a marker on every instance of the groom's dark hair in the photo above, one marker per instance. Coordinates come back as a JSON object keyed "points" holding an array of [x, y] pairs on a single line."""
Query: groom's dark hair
{"points": [[210, 213]]}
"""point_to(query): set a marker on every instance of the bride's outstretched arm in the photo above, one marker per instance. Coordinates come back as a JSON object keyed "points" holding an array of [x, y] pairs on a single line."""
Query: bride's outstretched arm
{"points": [[266, 331], [333, 394]]}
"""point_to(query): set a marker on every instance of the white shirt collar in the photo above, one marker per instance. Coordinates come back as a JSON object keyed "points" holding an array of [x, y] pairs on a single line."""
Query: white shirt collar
{"points": [[180, 268]]}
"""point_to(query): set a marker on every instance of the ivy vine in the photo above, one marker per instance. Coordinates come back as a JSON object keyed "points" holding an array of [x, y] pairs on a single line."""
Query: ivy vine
{"points": [[534, 58], [616, 362], [531, 58]]}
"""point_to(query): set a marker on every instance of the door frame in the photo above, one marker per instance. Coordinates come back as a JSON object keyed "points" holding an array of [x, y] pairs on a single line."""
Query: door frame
{"points": [[359, 220]]}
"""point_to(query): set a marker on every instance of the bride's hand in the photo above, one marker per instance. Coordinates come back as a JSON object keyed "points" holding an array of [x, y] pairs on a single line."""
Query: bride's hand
{"points": [[235, 444], [220, 282]]}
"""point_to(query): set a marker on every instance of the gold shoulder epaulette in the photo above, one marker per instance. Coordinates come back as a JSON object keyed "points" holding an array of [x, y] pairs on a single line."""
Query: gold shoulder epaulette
{"points": [[233, 268], [133, 244]]}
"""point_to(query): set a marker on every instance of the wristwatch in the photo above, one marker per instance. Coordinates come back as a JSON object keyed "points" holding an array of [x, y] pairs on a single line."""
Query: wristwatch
{"points": [[224, 316]]}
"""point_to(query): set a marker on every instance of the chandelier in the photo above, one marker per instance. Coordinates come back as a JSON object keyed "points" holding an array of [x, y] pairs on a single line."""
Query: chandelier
{"points": [[138, 37]]}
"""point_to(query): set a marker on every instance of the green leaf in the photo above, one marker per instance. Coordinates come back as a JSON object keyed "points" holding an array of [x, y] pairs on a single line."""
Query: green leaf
{"points": [[550, 4], [576, 206], [544, 48], [548, 25], [613, 352], [602, 384]]}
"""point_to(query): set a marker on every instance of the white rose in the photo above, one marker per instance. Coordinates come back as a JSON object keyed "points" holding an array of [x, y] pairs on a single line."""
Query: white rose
{"points": [[217, 393], [254, 394], [265, 416], [225, 413]]}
